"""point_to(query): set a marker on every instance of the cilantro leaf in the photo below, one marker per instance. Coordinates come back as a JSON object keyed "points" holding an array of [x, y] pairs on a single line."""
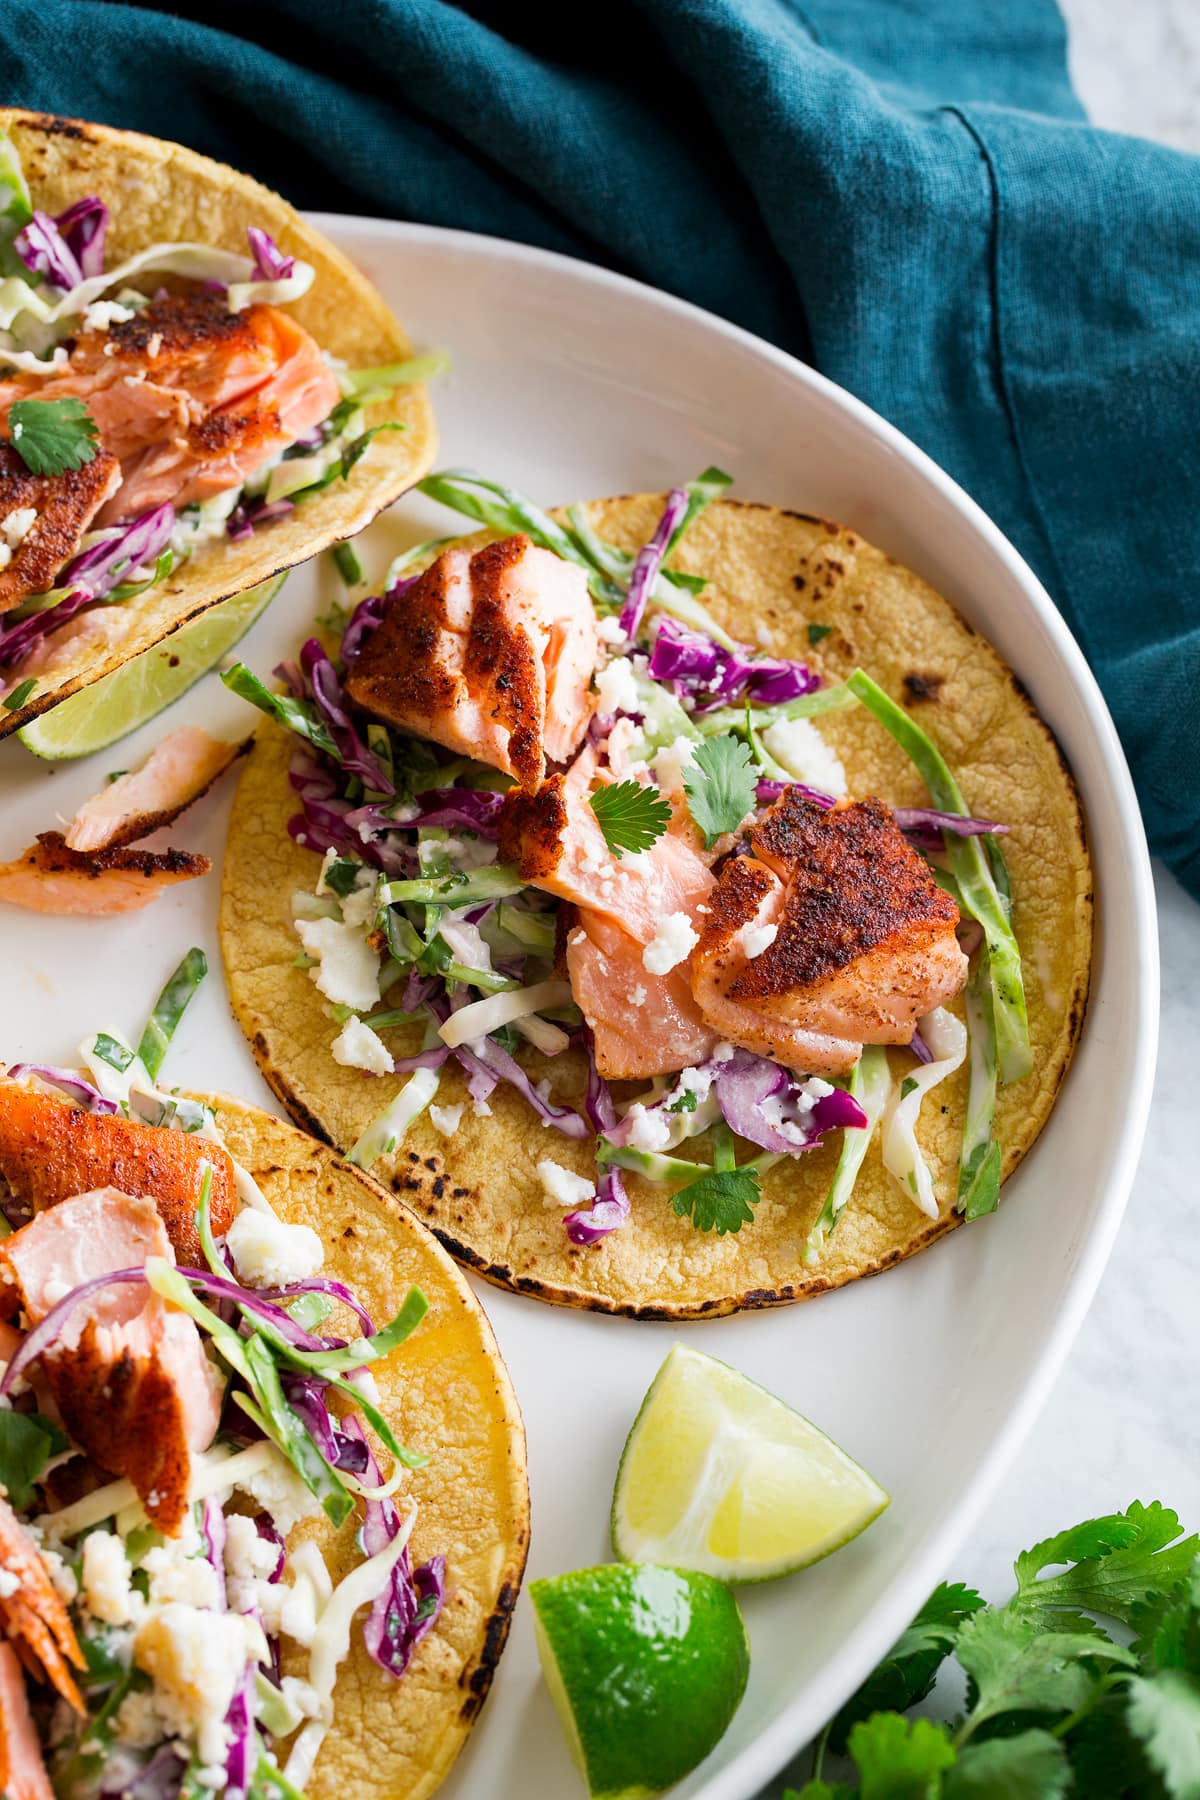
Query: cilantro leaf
{"points": [[52, 435], [1033, 1762], [720, 784], [907, 1673], [1120, 1562], [27, 1442], [1168, 1628], [822, 1790], [899, 1759], [1164, 1715], [1108, 1761], [817, 632], [723, 1200], [632, 817], [1017, 1665]]}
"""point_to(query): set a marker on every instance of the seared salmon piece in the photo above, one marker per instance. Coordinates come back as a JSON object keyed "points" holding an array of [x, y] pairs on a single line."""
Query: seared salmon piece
{"points": [[489, 653], [22, 1771], [127, 1371], [642, 1024], [177, 772], [555, 839], [833, 935], [50, 1150], [33, 1616], [189, 397], [65, 506], [50, 877]]}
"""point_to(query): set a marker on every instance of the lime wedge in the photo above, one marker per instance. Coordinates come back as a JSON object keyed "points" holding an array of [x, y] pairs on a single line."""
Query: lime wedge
{"points": [[646, 1667], [719, 1475], [116, 705]]}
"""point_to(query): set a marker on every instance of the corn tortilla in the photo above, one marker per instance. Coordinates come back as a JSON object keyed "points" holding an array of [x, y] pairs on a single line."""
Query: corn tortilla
{"points": [[159, 192], [479, 1190], [447, 1393]]}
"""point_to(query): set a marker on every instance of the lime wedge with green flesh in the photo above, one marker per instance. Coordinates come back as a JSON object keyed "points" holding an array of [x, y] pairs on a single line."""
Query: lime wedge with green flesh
{"points": [[719, 1475], [117, 704], [646, 1667]]}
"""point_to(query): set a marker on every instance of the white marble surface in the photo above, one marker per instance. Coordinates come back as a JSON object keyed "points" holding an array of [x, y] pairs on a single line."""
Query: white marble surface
{"points": [[1122, 1424]]}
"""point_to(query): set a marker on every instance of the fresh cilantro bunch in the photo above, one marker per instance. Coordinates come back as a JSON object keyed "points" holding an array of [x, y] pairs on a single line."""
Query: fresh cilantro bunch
{"points": [[51, 436], [1056, 1704]]}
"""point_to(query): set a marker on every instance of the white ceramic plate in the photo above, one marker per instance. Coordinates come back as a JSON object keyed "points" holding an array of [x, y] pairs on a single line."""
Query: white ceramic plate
{"points": [[570, 382]]}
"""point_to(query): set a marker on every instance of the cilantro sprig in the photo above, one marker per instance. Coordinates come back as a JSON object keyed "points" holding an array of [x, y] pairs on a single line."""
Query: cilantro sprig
{"points": [[51, 436], [1055, 1704], [632, 817], [720, 784]]}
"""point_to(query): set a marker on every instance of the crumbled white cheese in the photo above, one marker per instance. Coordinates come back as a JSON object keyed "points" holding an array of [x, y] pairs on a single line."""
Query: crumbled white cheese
{"points": [[17, 526], [609, 629], [723, 1052], [139, 1723], [636, 995], [695, 1081], [562, 1187], [764, 634], [648, 1130], [280, 1492], [670, 763], [799, 746], [269, 1253], [62, 1577], [616, 688], [249, 1562], [470, 852], [818, 1089], [106, 1579], [358, 1047], [179, 1570], [757, 939], [5, 556], [103, 313], [153, 344], [360, 906], [347, 970], [293, 1608], [671, 944], [196, 1659], [54, 1291], [9, 1584], [446, 1119]]}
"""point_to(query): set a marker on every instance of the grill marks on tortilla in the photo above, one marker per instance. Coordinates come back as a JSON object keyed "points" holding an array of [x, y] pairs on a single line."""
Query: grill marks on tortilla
{"points": [[65, 506]]}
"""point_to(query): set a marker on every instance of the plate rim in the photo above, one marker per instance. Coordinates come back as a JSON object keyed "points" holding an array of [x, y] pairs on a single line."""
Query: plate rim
{"points": [[792, 1728]]}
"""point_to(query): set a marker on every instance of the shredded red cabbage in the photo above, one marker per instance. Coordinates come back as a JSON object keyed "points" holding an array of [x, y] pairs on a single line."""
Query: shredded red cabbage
{"points": [[610, 1208], [104, 565], [242, 1756], [919, 1047], [323, 1284], [408, 1605], [248, 515], [496, 1062], [768, 791], [306, 1395], [39, 1340], [649, 561], [924, 825], [744, 1082], [270, 264], [712, 675], [327, 694], [362, 622], [69, 1081], [18, 640], [267, 1529], [43, 249], [214, 1534], [466, 809], [82, 228]]}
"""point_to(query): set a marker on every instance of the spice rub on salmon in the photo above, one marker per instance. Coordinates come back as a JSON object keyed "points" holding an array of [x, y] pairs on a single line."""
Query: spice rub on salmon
{"points": [[128, 1372], [833, 934], [50, 877], [490, 653], [50, 1150], [189, 397], [35, 1621], [180, 768], [44, 517]]}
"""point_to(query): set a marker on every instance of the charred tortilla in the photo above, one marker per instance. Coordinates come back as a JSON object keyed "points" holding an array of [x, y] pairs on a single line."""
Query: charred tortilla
{"points": [[479, 1190], [160, 192], [446, 1392]]}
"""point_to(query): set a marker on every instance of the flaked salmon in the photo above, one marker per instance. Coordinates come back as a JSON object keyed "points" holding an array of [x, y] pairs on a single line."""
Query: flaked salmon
{"points": [[489, 653], [177, 772], [51, 1150], [189, 397], [63, 506], [33, 1616], [555, 839], [128, 1373], [50, 877], [642, 1024], [22, 1772], [833, 934]]}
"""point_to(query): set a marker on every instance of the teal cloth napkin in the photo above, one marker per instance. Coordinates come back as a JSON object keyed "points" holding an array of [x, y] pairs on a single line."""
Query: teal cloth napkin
{"points": [[905, 194]]}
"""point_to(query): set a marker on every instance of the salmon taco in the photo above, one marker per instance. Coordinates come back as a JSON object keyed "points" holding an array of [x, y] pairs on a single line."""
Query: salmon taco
{"points": [[674, 900], [197, 391], [264, 1493]]}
